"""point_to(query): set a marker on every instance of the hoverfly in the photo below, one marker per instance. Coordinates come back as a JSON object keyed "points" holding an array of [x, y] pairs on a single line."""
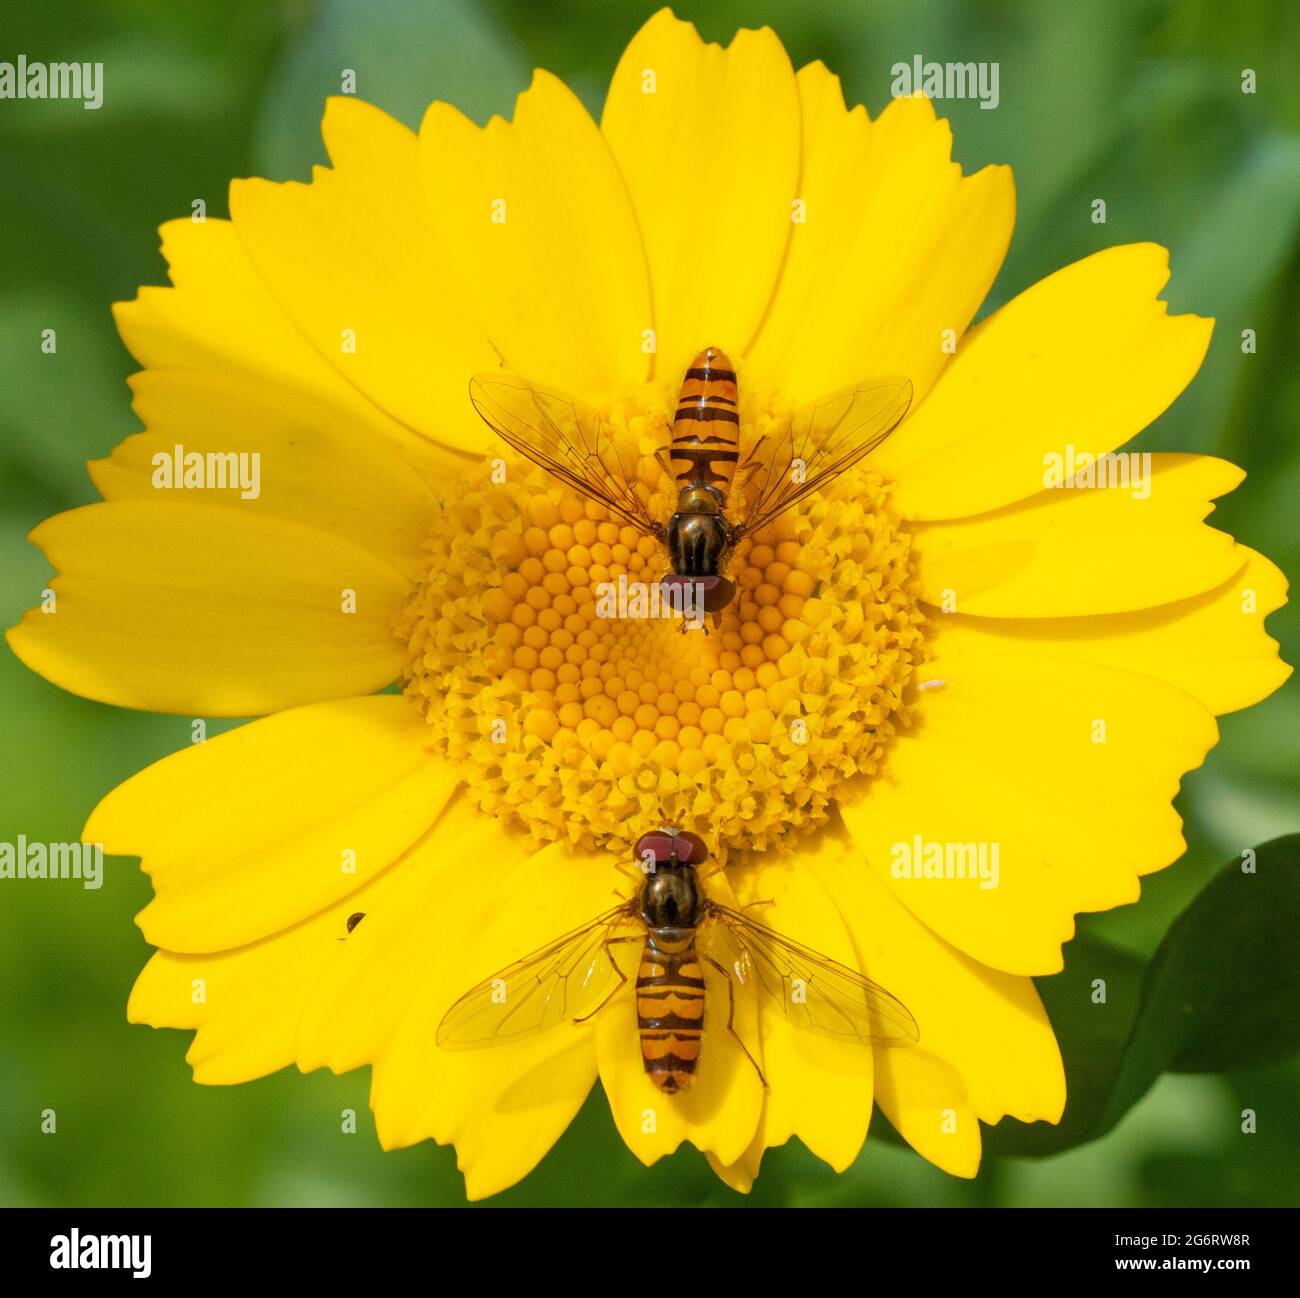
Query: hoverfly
{"points": [[678, 926], [818, 443]]}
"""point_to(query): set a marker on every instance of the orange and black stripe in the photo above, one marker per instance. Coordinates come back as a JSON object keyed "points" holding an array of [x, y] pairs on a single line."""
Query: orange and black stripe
{"points": [[706, 428], [670, 1014]]}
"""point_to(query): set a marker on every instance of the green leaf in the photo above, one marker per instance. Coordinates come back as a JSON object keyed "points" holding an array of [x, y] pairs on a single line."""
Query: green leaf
{"points": [[1225, 982], [1221, 994], [404, 54]]}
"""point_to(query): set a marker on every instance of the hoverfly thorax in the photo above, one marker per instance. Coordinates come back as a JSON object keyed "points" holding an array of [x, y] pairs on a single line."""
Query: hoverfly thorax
{"points": [[672, 908], [697, 533], [672, 900], [700, 498]]}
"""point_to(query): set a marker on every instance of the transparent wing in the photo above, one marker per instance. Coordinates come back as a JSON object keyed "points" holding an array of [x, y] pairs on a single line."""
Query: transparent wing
{"points": [[558, 983], [821, 441], [812, 990], [567, 438]]}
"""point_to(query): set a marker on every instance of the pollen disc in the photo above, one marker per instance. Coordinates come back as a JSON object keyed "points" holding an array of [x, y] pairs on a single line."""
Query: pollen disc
{"points": [[549, 669]]}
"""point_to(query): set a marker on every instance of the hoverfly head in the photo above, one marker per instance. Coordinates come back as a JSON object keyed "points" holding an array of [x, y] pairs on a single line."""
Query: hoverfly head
{"points": [[669, 847]]}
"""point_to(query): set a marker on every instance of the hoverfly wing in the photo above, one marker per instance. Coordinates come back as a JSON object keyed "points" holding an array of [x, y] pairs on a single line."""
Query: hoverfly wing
{"points": [[822, 440], [558, 983], [811, 990], [566, 438]]}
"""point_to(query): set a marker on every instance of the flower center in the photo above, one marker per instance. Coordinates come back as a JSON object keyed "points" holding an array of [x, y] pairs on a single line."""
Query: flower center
{"points": [[535, 661]]}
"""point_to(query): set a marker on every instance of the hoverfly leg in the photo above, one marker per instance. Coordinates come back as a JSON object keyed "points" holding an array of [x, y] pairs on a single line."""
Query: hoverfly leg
{"points": [[752, 461], [716, 867], [622, 977], [769, 901], [630, 870], [731, 1018]]}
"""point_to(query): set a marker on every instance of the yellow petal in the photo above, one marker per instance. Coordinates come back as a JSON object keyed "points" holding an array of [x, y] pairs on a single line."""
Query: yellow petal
{"points": [[895, 248], [517, 1113], [708, 140], [740, 1175], [1087, 357], [719, 1111], [1212, 645], [926, 1103], [989, 1026], [818, 1089], [362, 997], [208, 611], [1078, 550], [250, 832], [219, 316], [313, 467], [1064, 769], [542, 239], [504, 1106], [350, 259], [247, 1004]]}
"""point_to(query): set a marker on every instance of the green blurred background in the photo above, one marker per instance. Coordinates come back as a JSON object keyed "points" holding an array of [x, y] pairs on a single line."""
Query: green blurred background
{"points": [[1138, 102]]}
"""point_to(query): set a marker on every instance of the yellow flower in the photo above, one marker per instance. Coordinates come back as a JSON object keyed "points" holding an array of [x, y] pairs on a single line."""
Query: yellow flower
{"points": [[940, 650]]}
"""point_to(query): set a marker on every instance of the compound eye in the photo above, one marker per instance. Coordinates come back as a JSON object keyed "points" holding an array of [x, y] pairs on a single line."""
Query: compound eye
{"points": [[654, 850], [691, 849], [718, 593]]}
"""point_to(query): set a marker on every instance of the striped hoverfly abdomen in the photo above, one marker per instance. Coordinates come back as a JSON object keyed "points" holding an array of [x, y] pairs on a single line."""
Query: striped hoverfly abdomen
{"points": [[705, 445]]}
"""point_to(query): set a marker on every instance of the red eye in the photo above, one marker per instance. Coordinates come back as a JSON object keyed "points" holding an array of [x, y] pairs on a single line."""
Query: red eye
{"points": [[657, 847], [691, 849], [718, 593]]}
